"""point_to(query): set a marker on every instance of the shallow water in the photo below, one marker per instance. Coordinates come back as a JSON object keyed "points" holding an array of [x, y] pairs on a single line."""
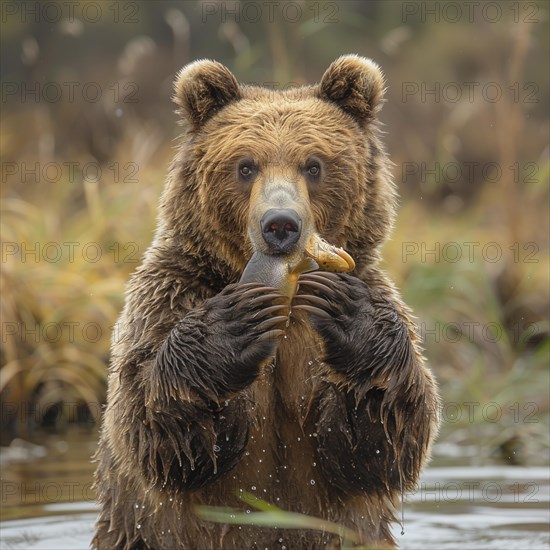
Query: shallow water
{"points": [[47, 503]]}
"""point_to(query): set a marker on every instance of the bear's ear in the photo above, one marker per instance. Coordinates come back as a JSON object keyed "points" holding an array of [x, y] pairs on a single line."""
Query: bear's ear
{"points": [[356, 85], [202, 88]]}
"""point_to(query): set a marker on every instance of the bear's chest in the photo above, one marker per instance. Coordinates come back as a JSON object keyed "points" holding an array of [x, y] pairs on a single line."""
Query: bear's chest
{"points": [[289, 382], [279, 460]]}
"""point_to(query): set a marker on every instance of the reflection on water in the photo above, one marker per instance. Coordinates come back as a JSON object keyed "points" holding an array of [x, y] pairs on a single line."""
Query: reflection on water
{"points": [[53, 472], [47, 503]]}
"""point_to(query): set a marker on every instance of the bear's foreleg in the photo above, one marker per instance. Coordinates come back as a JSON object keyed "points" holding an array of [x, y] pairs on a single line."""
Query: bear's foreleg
{"points": [[195, 424], [377, 411]]}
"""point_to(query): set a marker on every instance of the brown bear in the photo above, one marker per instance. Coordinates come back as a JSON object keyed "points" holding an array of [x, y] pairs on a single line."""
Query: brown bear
{"points": [[323, 406]]}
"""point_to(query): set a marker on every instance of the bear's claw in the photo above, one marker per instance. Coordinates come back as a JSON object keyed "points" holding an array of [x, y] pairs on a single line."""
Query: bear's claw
{"points": [[315, 300], [321, 287], [270, 310], [265, 298], [270, 335], [269, 323], [255, 290], [313, 310]]}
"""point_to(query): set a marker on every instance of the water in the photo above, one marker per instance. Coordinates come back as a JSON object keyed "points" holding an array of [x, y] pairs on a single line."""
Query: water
{"points": [[47, 502], [478, 508], [71, 530]]}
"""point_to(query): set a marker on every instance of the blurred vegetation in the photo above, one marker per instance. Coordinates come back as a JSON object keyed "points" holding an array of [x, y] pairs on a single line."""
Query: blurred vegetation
{"points": [[81, 178], [266, 514]]}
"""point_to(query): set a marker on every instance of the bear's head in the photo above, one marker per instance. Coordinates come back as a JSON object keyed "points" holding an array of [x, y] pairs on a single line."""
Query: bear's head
{"points": [[262, 169]]}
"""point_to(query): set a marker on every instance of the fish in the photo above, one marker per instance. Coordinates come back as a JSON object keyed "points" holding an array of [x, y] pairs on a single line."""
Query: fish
{"points": [[283, 271], [327, 256]]}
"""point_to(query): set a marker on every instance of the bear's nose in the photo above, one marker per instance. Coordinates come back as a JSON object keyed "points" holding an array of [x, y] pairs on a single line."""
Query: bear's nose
{"points": [[281, 229]]}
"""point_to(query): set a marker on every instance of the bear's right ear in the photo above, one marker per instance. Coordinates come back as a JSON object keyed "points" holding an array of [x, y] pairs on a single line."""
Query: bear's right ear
{"points": [[202, 88]]}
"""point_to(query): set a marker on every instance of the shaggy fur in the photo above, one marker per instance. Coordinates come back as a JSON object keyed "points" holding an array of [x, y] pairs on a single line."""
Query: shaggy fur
{"points": [[336, 419]]}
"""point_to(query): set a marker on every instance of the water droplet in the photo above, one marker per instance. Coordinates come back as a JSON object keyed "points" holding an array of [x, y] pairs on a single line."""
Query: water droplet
{"points": [[137, 505], [248, 511], [312, 482], [310, 363], [253, 487], [138, 526], [377, 451], [216, 449]]}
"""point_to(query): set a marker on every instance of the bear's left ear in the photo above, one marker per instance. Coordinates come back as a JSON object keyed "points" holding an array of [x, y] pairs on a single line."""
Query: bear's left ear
{"points": [[204, 87], [356, 85]]}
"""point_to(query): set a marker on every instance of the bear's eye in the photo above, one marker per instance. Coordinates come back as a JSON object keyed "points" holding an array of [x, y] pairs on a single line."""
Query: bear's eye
{"points": [[313, 170], [247, 170]]}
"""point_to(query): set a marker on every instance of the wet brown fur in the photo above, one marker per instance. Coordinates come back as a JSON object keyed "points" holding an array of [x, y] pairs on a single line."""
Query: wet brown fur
{"points": [[285, 430]]}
